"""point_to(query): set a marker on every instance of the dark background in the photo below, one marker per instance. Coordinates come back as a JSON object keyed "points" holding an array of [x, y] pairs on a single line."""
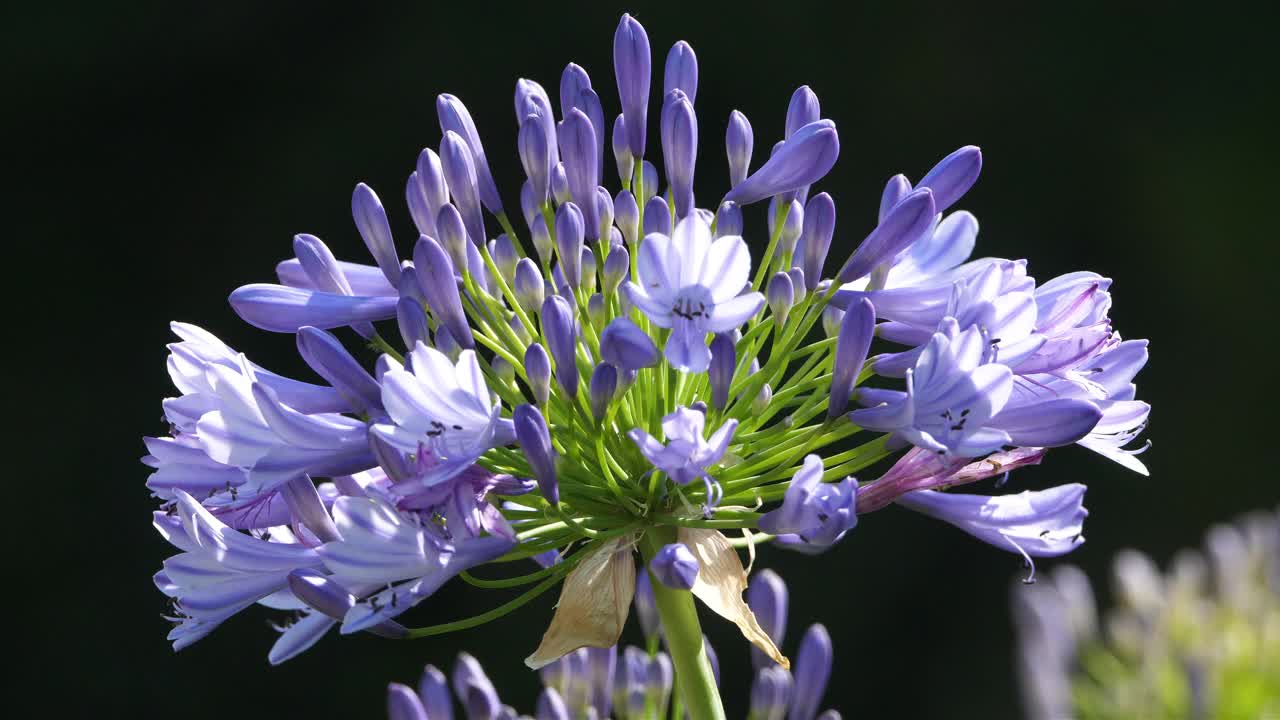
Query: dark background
{"points": [[165, 156]]}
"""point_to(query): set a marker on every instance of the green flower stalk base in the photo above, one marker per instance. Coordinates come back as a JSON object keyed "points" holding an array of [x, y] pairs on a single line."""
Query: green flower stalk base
{"points": [[694, 680]]}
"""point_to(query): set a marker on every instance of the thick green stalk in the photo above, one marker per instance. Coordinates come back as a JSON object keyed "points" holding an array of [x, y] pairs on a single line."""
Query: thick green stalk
{"points": [[696, 684]]}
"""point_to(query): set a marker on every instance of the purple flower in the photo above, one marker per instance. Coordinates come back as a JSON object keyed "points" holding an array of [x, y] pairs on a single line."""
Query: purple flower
{"points": [[632, 65], [1044, 523], [853, 341], [675, 566], [455, 118], [442, 406], [371, 221], [627, 347], [460, 172], [474, 689], [535, 440], [904, 225], [278, 308], [812, 669], [767, 596], [438, 281], [951, 396], [804, 158], [221, 571], [770, 693], [952, 177], [681, 71], [738, 141], [680, 148], [691, 284], [602, 386], [577, 148], [426, 192], [381, 546], [814, 515], [815, 237], [560, 329], [687, 455], [326, 355], [570, 231]]}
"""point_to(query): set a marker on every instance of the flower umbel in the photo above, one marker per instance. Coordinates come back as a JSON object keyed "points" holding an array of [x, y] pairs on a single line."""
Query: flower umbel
{"points": [[527, 413]]}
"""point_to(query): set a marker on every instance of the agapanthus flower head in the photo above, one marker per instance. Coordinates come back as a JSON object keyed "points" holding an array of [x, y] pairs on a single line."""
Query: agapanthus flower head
{"points": [[559, 391]]}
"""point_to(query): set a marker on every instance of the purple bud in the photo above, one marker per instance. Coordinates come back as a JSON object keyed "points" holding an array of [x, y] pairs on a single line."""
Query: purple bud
{"points": [[537, 368], [301, 496], [577, 148], [792, 226], [802, 160], [415, 196], [551, 706], [530, 205], [535, 156], [541, 235], [832, 316], [371, 221], [906, 222], [445, 343], [781, 296], [767, 596], [738, 140], [528, 285], [770, 693], [439, 283], [728, 220], [616, 267], [830, 715], [560, 185], [604, 213], [952, 177], [624, 345], [615, 238], [853, 341], [434, 190], [460, 173], [811, 671], [503, 369], [894, 190], [569, 242], [596, 310], [626, 215], [504, 255], [412, 320], [403, 704], [815, 238], [453, 236], [802, 110], [797, 283], [632, 66], [535, 441], [531, 99], [455, 118], [588, 269], [680, 148], [657, 216], [723, 362], [646, 609], [589, 103], [319, 265], [681, 71], [675, 566], [621, 151], [604, 383], [572, 82], [433, 690], [561, 333], [331, 361], [649, 174], [473, 688], [320, 593]]}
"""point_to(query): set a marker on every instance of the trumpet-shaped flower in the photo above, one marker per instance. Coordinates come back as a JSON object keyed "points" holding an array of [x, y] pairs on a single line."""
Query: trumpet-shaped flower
{"points": [[694, 286]]}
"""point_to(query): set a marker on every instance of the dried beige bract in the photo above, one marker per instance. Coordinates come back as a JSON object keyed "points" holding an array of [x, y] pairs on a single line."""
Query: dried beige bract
{"points": [[593, 606], [721, 581]]}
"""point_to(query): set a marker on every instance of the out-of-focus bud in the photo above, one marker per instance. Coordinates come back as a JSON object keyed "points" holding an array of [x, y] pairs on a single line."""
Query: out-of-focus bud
{"points": [[537, 367], [657, 216], [737, 144], [604, 383], [675, 566], [728, 220]]}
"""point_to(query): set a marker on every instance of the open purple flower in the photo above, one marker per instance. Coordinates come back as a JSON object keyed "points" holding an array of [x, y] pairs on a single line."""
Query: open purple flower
{"points": [[814, 515], [693, 285], [687, 455]]}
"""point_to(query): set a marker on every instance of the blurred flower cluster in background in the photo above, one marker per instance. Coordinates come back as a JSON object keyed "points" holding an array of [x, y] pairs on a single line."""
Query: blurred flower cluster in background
{"points": [[1199, 640]]}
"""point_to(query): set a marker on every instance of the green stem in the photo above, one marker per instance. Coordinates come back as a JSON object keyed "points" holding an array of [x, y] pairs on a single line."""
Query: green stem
{"points": [[697, 686]]}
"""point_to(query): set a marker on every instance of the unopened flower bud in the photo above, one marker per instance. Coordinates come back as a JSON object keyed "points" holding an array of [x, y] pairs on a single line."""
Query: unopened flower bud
{"points": [[675, 566], [541, 235], [588, 267], [569, 242], [853, 341], [780, 296], [453, 236], [624, 345], [535, 441], [728, 220], [504, 255], [657, 216], [559, 328], [626, 215], [815, 238], [528, 285], [621, 152], [616, 267], [604, 383], [737, 144], [537, 368], [596, 310]]}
